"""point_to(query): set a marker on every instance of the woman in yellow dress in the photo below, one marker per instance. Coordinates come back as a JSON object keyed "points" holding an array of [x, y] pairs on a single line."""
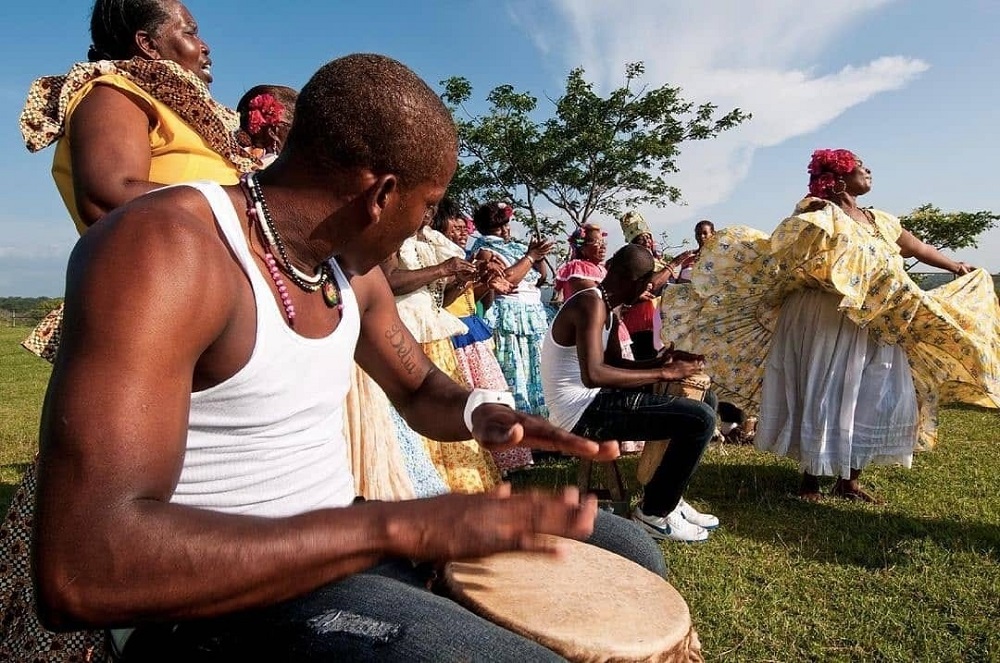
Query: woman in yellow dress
{"points": [[474, 350], [135, 117], [149, 70], [821, 327]]}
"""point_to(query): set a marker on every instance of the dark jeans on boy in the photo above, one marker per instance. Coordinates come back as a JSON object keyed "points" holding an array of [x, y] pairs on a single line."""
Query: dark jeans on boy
{"points": [[636, 414]]}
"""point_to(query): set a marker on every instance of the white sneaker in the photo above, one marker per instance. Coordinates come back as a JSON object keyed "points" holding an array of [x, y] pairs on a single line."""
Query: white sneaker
{"points": [[692, 515], [671, 527]]}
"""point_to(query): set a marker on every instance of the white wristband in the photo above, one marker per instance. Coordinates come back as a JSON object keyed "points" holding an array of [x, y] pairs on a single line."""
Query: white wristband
{"points": [[482, 396]]}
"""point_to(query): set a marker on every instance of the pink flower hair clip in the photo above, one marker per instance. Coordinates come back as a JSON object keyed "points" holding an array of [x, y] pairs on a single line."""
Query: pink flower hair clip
{"points": [[265, 111]]}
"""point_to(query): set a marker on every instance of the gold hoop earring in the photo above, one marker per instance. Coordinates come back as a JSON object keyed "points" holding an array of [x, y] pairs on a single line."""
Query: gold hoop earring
{"points": [[843, 188]]}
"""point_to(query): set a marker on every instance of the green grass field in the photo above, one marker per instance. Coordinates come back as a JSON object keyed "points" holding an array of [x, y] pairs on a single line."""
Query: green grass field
{"points": [[782, 580]]}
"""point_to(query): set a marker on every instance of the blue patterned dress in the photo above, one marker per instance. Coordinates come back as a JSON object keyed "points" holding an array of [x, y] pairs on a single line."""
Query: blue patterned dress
{"points": [[519, 324]]}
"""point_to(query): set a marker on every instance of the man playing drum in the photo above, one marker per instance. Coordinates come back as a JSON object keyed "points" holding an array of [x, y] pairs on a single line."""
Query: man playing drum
{"points": [[594, 393], [194, 488]]}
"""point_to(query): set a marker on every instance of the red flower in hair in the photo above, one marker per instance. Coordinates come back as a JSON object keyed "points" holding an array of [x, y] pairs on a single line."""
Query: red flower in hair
{"points": [[826, 167], [265, 111]]}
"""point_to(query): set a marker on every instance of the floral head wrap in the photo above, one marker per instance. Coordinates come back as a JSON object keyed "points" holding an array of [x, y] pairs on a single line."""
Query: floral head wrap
{"points": [[578, 239], [826, 167], [633, 225]]}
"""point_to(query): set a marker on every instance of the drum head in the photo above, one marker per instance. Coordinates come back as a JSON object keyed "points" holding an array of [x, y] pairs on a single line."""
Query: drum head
{"points": [[587, 605]]}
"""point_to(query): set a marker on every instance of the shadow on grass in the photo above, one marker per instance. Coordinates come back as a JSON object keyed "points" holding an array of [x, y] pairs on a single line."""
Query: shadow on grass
{"points": [[758, 503], [9, 486]]}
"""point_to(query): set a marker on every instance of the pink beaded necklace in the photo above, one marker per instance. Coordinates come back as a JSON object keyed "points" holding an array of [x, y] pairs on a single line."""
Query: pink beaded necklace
{"points": [[323, 279]]}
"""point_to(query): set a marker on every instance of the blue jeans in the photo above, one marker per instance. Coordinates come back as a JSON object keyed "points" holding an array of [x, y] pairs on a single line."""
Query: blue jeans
{"points": [[383, 614], [635, 414]]}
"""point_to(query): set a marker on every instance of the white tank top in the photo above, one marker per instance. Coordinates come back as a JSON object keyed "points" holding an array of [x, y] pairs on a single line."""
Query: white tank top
{"points": [[565, 394], [269, 440]]}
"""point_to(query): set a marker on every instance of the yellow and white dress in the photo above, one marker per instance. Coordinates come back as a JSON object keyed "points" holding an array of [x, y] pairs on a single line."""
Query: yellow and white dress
{"points": [[820, 327], [465, 466]]}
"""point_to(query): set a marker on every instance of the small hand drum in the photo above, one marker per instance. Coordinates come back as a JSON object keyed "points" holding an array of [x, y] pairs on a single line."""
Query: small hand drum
{"points": [[587, 605], [693, 386]]}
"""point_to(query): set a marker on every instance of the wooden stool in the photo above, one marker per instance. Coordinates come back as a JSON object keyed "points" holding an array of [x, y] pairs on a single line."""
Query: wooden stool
{"points": [[612, 477]]}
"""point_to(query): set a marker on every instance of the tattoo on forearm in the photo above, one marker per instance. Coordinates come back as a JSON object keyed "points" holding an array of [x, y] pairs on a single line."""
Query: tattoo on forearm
{"points": [[397, 339]]}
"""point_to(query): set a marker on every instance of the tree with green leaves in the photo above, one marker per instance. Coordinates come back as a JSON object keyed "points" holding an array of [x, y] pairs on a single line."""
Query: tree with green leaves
{"points": [[947, 230], [595, 154]]}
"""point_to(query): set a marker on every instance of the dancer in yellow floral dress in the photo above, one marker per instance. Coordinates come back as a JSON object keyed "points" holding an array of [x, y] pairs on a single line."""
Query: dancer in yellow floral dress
{"points": [[820, 327]]}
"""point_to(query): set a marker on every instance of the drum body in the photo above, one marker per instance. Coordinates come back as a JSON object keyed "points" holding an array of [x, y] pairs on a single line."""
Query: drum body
{"points": [[694, 387], [586, 605]]}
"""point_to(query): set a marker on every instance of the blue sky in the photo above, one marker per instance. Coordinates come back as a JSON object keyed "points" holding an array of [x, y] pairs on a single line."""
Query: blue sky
{"points": [[909, 85]]}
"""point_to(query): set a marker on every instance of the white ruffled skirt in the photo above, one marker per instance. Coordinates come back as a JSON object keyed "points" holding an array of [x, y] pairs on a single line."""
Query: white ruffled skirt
{"points": [[832, 398]]}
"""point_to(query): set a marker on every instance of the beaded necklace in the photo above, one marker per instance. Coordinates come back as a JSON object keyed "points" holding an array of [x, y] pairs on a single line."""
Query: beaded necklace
{"points": [[611, 310], [323, 279], [604, 296]]}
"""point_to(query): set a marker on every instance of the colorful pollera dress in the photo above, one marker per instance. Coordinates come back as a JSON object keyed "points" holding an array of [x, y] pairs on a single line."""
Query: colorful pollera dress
{"points": [[820, 327], [519, 324]]}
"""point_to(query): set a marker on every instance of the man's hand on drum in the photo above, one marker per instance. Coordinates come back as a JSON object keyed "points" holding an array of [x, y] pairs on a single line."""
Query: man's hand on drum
{"points": [[678, 364], [458, 526], [498, 427]]}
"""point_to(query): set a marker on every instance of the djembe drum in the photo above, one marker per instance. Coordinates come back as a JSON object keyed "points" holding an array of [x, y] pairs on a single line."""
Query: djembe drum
{"points": [[694, 387], [586, 605]]}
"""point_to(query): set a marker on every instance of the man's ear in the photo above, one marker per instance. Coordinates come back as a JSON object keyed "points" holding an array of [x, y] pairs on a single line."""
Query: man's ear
{"points": [[381, 195], [146, 45]]}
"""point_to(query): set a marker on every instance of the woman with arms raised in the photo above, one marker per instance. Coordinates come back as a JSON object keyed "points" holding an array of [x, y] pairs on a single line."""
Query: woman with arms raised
{"points": [[822, 327]]}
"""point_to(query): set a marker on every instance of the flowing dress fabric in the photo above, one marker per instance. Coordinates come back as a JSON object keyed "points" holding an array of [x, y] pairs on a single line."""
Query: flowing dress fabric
{"points": [[519, 323], [379, 463], [423, 474], [832, 397], [465, 466], [730, 312], [478, 365]]}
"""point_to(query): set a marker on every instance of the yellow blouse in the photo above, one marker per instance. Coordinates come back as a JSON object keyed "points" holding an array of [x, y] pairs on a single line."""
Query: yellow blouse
{"points": [[179, 153]]}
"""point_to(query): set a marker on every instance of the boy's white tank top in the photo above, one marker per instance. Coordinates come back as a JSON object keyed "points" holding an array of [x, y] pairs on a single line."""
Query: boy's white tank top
{"points": [[565, 394], [269, 441]]}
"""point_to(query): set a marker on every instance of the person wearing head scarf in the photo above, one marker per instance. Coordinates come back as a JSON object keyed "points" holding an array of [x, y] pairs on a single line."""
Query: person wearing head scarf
{"points": [[640, 318], [820, 327], [518, 318], [585, 267]]}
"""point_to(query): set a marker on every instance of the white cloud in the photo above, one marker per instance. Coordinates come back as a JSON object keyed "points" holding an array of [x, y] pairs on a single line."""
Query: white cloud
{"points": [[35, 251], [759, 56]]}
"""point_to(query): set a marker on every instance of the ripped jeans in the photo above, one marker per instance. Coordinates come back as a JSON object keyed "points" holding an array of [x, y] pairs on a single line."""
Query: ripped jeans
{"points": [[383, 614], [639, 414]]}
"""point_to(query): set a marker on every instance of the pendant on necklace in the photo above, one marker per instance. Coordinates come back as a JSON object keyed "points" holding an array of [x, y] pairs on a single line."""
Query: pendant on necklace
{"points": [[331, 294]]}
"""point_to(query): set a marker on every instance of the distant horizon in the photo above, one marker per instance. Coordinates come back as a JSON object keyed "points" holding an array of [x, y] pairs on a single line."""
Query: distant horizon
{"points": [[946, 276]]}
